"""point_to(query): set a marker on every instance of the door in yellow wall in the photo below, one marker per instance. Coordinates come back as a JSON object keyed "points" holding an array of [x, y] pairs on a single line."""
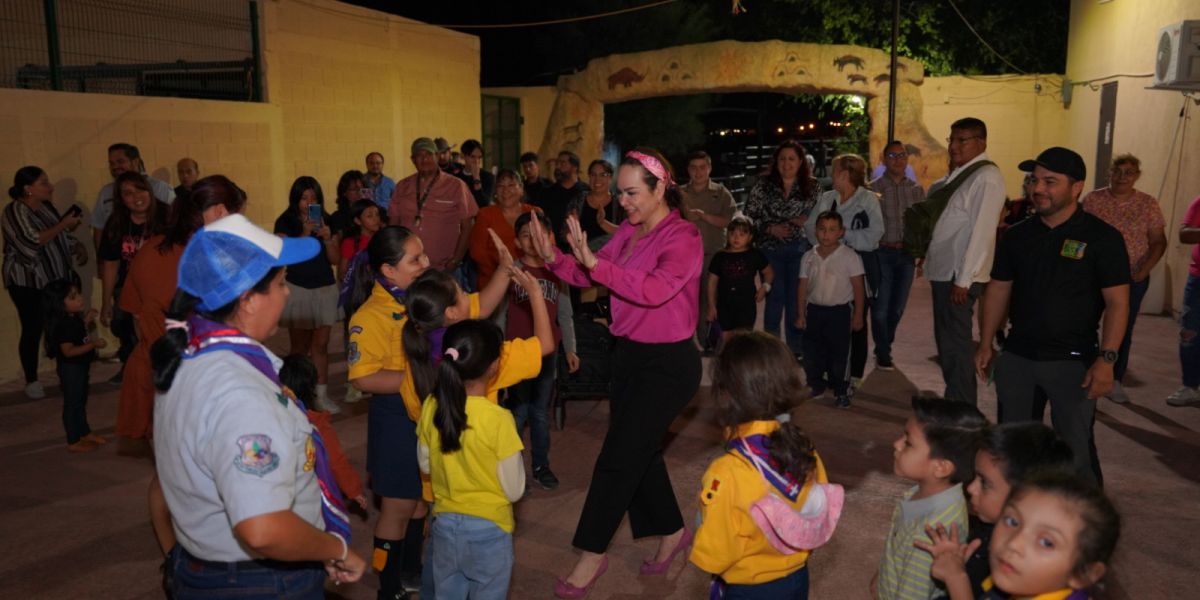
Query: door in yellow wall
{"points": [[501, 132]]}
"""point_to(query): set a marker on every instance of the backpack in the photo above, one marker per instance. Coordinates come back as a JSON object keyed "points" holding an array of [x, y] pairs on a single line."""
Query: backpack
{"points": [[922, 217]]}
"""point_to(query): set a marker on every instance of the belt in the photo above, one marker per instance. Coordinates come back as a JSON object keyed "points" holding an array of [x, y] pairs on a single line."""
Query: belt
{"points": [[248, 565]]}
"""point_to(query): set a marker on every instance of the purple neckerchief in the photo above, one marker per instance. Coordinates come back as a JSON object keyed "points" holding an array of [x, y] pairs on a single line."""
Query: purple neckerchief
{"points": [[347, 284], [755, 446], [210, 336], [397, 294]]}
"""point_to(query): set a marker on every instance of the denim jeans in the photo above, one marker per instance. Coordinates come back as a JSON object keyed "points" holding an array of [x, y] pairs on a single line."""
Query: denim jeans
{"points": [[193, 579], [895, 280], [1137, 291], [781, 301], [792, 587], [530, 402], [467, 557], [1189, 326]]}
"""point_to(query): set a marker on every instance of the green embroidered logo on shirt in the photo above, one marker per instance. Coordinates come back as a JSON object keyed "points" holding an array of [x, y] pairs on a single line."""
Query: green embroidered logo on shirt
{"points": [[1073, 249]]}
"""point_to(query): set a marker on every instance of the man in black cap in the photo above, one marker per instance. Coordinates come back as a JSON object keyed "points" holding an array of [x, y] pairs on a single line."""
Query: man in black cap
{"points": [[1056, 275]]}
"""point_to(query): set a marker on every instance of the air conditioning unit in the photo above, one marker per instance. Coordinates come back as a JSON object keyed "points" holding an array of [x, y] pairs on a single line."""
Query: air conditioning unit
{"points": [[1178, 60]]}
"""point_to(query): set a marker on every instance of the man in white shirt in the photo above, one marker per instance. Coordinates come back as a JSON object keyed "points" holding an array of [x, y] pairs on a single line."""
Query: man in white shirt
{"points": [[123, 157], [959, 259]]}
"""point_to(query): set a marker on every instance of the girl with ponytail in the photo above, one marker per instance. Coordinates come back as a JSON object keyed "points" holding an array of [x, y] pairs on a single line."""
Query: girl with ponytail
{"points": [[470, 447], [765, 504]]}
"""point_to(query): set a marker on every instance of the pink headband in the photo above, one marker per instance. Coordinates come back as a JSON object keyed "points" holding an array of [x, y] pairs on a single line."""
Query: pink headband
{"points": [[653, 165], [452, 353]]}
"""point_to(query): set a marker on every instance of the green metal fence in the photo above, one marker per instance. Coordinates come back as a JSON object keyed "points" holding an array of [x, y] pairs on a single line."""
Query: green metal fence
{"points": [[177, 48]]}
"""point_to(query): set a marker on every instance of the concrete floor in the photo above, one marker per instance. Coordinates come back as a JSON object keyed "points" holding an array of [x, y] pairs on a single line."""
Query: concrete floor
{"points": [[75, 526]]}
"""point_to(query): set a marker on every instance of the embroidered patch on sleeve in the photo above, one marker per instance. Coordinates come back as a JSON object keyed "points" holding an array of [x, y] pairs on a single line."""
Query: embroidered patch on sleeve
{"points": [[352, 353], [310, 454], [255, 456], [355, 329], [1073, 249], [709, 493]]}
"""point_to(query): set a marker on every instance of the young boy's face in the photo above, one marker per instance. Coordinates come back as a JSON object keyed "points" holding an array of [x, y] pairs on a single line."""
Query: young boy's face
{"points": [[525, 241], [911, 453], [1035, 545], [739, 239], [988, 491], [829, 232]]}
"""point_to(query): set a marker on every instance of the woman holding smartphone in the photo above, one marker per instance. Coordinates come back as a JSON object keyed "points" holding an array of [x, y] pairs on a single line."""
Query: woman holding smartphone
{"points": [[312, 307]]}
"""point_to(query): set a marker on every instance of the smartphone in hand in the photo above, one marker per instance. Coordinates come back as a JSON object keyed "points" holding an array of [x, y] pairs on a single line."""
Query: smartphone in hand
{"points": [[314, 213]]}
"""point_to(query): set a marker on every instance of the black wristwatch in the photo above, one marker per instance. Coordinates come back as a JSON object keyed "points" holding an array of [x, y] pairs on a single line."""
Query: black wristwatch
{"points": [[1109, 356]]}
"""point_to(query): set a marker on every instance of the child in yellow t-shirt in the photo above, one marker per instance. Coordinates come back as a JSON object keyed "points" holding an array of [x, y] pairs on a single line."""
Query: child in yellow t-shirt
{"points": [[469, 446], [765, 503]]}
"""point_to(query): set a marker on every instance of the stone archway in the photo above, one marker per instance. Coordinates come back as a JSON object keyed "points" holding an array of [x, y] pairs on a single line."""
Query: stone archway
{"points": [[577, 120]]}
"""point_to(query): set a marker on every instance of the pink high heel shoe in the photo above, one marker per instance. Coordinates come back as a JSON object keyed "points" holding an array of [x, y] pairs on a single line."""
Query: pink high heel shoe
{"points": [[567, 591], [649, 567]]}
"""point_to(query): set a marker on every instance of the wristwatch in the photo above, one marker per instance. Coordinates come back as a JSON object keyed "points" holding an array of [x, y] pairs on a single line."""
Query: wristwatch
{"points": [[1109, 356]]}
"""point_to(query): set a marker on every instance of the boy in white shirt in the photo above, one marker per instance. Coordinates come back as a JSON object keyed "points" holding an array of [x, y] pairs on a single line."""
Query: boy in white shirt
{"points": [[831, 297]]}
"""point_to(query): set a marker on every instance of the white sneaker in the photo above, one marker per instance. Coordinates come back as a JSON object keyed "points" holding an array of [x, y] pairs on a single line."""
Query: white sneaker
{"points": [[1118, 394], [353, 394], [34, 391], [1184, 396], [855, 383], [324, 403]]}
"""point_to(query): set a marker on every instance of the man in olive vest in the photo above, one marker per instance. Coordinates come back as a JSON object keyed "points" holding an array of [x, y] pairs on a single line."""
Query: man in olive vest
{"points": [[959, 258]]}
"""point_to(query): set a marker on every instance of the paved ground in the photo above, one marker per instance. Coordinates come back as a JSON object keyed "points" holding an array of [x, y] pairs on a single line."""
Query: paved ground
{"points": [[74, 526]]}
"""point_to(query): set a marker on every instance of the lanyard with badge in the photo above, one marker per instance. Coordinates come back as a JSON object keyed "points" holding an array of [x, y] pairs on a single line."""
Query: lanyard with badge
{"points": [[422, 196]]}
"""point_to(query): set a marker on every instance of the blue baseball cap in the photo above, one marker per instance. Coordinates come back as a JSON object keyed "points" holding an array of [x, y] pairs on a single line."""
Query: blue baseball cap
{"points": [[231, 255]]}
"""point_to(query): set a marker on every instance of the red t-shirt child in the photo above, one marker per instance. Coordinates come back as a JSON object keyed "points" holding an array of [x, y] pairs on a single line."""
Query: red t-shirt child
{"points": [[520, 314]]}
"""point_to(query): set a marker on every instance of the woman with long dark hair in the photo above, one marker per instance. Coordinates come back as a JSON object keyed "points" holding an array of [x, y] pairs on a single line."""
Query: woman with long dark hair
{"points": [[136, 217], [779, 205], [313, 308], [37, 250], [652, 268], [246, 477]]}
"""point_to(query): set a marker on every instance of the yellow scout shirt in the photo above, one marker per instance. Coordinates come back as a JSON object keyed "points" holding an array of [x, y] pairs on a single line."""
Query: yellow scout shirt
{"points": [[465, 481], [728, 542], [375, 342], [990, 590]]}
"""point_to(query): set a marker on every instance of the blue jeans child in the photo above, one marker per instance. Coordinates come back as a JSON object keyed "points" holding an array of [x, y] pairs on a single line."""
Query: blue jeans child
{"points": [[530, 403], [468, 557]]}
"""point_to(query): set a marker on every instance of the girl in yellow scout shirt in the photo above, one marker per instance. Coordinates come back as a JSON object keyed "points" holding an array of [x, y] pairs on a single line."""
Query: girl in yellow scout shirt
{"points": [[378, 365], [765, 503], [1053, 541], [472, 450]]}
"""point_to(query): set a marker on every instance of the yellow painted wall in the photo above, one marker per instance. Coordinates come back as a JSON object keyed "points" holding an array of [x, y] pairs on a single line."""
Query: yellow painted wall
{"points": [[536, 104], [1021, 120], [341, 81], [1121, 37]]}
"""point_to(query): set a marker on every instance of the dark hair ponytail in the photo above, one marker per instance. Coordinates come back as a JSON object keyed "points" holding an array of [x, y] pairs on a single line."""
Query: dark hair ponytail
{"points": [[167, 351], [672, 194], [385, 248], [755, 378], [24, 176], [427, 300], [476, 345], [187, 214]]}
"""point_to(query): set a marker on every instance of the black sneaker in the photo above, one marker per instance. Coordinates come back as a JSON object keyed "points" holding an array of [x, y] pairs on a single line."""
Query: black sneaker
{"points": [[842, 402], [545, 478], [884, 364]]}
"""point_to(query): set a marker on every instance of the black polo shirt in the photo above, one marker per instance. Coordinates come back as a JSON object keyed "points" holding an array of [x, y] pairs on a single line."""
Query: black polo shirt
{"points": [[1056, 276], [556, 203]]}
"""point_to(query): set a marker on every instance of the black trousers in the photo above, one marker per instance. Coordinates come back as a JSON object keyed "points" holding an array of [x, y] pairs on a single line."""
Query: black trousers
{"points": [[31, 311], [858, 339], [73, 379], [827, 342], [652, 383]]}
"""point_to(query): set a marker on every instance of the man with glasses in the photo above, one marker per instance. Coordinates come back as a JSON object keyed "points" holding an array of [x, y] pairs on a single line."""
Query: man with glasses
{"points": [[1138, 217], [380, 186], [480, 181], [896, 194], [437, 206], [959, 258], [710, 206]]}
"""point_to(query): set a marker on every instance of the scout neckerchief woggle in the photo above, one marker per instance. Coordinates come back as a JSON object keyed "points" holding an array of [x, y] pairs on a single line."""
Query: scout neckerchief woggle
{"points": [[210, 336]]}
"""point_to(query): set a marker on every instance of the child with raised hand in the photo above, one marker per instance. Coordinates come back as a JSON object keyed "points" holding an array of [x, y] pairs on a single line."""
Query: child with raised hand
{"points": [[469, 444], [1009, 453], [769, 481], [299, 378], [1053, 540], [732, 296], [832, 299], [70, 343], [937, 453]]}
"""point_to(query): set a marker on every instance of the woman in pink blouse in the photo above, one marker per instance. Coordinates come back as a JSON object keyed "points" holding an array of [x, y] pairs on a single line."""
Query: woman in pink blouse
{"points": [[652, 268]]}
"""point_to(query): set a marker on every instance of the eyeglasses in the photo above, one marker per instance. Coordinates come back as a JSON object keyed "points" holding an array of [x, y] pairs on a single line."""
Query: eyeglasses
{"points": [[962, 140], [896, 155], [1123, 173]]}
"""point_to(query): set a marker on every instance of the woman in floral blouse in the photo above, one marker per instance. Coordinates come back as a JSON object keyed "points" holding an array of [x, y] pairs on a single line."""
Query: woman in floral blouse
{"points": [[779, 205]]}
